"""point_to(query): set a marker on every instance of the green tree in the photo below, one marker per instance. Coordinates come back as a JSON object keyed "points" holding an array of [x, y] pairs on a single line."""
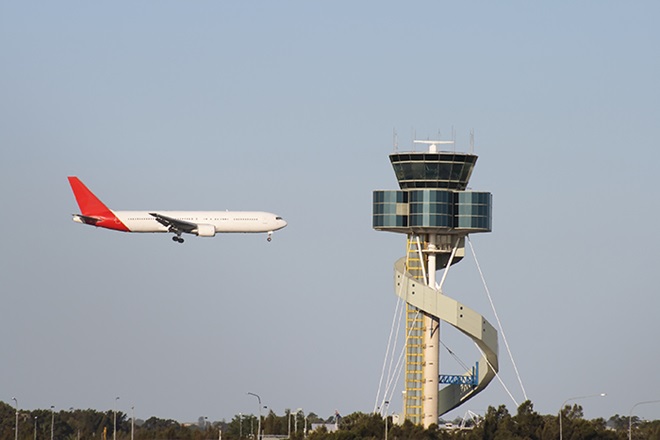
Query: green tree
{"points": [[647, 431], [273, 424], [238, 426], [527, 423], [496, 425], [620, 423], [363, 426]]}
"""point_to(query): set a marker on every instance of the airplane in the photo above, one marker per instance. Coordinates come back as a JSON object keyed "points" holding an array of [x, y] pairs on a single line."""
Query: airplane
{"points": [[200, 223]]}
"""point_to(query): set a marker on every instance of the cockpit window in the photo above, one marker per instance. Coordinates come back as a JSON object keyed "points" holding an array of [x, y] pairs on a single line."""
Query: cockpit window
{"points": [[278, 218]]}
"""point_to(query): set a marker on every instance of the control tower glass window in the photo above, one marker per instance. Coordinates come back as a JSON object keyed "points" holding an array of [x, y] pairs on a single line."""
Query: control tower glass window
{"points": [[474, 210], [433, 170]]}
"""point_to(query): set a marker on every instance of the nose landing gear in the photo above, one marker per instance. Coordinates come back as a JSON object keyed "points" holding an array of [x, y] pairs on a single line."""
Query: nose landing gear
{"points": [[270, 236]]}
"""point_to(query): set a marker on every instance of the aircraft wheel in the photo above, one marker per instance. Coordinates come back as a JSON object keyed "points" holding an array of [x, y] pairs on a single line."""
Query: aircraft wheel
{"points": [[181, 240], [175, 238], [269, 239]]}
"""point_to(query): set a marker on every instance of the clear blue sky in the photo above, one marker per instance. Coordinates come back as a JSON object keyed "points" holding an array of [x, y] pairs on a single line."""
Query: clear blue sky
{"points": [[290, 107]]}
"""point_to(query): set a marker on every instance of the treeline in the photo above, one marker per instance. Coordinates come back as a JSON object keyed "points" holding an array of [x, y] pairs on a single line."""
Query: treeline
{"points": [[96, 425], [499, 424], [496, 424]]}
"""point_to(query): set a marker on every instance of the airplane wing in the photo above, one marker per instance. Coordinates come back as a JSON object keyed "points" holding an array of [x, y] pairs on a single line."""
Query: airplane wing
{"points": [[174, 224]]}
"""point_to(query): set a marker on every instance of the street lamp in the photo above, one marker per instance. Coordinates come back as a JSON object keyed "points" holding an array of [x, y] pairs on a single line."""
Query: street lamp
{"points": [[630, 416], [289, 422], [132, 422], [561, 434], [35, 427], [16, 429], [114, 430], [258, 425], [52, 422], [387, 403], [240, 429]]}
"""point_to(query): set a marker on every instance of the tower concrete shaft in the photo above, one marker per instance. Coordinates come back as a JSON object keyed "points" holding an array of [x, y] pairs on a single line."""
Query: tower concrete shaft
{"points": [[431, 347]]}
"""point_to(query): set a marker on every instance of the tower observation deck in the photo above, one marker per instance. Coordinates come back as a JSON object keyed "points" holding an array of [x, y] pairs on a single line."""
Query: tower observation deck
{"points": [[436, 211]]}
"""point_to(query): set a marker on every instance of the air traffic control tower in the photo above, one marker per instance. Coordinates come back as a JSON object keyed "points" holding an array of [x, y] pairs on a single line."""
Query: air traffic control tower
{"points": [[436, 211]]}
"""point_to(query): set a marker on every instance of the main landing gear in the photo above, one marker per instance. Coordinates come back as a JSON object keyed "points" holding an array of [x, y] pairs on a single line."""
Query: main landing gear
{"points": [[177, 234]]}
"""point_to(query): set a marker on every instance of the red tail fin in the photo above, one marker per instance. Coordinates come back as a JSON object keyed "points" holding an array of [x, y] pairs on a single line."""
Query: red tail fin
{"points": [[89, 204]]}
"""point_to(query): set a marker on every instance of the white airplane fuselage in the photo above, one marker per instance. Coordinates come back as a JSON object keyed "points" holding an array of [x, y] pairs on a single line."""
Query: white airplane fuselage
{"points": [[222, 221]]}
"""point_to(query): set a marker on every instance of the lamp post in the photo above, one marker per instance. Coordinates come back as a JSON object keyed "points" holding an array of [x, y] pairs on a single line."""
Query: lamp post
{"points": [[240, 429], [630, 416], [16, 428], [289, 422], [259, 424], [35, 427], [387, 403], [52, 422], [561, 434], [305, 431], [132, 422], [114, 429]]}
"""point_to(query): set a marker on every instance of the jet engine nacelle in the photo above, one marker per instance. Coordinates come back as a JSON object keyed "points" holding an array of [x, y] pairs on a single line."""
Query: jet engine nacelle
{"points": [[205, 230]]}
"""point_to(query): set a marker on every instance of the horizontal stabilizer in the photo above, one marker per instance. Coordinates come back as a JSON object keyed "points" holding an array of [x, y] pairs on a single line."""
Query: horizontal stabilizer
{"points": [[85, 219]]}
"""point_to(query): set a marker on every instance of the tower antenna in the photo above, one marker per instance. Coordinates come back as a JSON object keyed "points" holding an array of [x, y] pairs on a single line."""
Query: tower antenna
{"points": [[395, 140], [472, 141]]}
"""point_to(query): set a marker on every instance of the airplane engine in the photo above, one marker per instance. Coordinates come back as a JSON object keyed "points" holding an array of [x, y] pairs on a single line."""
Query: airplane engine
{"points": [[205, 231]]}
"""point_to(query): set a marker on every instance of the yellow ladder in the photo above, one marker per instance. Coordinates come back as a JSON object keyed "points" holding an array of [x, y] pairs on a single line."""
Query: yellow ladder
{"points": [[416, 266]]}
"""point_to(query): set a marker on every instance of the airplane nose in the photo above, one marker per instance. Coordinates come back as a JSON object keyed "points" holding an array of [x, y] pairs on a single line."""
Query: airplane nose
{"points": [[280, 222]]}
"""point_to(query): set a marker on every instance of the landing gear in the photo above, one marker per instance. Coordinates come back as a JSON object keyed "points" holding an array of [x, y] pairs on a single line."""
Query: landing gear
{"points": [[270, 236], [177, 234]]}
